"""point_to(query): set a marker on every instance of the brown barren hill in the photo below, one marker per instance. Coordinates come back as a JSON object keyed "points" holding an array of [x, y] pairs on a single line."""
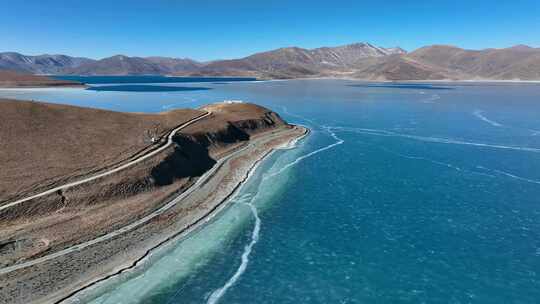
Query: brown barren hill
{"points": [[396, 67], [44, 144], [64, 240], [235, 120], [9, 79], [517, 62]]}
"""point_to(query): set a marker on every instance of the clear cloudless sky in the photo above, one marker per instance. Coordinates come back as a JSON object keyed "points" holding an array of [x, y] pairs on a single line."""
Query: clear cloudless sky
{"points": [[205, 30]]}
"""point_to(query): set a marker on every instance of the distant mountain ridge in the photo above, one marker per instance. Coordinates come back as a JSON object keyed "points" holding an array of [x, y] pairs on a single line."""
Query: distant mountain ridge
{"points": [[41, 64], [292, 62], [517, 62], [124, 65], [358, 60]]}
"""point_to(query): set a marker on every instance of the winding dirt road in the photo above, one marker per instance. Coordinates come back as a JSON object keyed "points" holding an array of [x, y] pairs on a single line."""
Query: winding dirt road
{"points": [[131, 226]]}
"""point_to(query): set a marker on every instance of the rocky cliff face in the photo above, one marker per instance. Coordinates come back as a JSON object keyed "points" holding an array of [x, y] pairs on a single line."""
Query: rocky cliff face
{"points": [[232, 132]]}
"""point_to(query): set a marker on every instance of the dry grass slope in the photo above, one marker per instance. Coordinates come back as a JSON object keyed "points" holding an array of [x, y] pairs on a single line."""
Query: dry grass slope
{"points": [[10, 79], [43, 144]]}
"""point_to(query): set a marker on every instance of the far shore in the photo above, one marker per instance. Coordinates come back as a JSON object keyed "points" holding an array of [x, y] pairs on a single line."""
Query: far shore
{"points": [[35, 88], [46, 87], [413, 81], [13, 79]]}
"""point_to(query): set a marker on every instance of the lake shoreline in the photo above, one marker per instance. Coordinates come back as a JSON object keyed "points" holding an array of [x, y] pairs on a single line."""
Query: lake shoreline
{"points": [[105, 260], [451, 81], [217, 209]]}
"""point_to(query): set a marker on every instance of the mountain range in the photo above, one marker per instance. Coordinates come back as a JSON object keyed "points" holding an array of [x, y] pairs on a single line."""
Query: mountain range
{"points": [[359, 61]]}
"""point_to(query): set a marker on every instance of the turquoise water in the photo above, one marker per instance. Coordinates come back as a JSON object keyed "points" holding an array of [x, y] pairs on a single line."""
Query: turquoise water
{"points": [[400, 195]]}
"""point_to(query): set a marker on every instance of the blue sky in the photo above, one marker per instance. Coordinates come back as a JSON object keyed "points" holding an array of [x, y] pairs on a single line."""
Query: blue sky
{"points": [[207, 30]]}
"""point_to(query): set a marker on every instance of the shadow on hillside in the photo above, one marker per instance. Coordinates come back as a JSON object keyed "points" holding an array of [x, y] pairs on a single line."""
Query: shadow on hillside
{"points": [[189, 159]]}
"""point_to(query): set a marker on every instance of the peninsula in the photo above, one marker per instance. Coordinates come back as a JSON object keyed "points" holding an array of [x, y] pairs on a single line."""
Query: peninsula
{"points": [[86, 193], [12, 79]]}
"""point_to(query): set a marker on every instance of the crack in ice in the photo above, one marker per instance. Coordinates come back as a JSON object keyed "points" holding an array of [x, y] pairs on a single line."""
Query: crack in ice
{"points": [[438, 140], [338, 142], [479, 115], [220, 292], [508, 174]]}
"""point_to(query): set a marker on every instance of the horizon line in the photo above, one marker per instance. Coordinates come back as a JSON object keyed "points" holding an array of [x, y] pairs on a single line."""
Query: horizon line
{"points": [[263, 51]]}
